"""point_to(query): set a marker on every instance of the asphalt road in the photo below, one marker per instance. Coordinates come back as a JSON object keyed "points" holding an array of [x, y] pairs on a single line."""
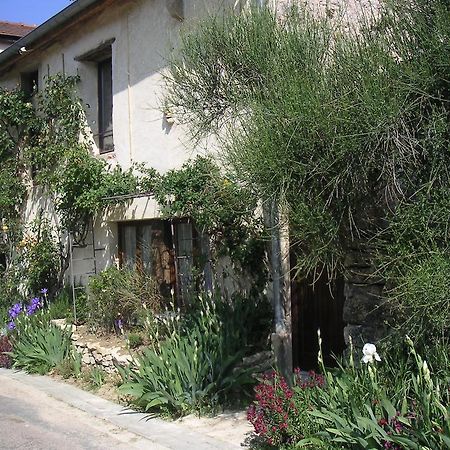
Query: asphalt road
{"points": [[39, 413], [30, 419]]}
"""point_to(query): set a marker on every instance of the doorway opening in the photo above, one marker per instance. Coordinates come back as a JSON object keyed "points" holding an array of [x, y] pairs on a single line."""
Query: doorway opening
{"points": [[317, 305]]}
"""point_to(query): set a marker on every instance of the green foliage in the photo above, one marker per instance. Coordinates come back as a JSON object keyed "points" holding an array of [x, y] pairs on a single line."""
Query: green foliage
{"points": [[420, 300], [194, 366], [95, 377], [39, 345], [17, 122], [70, 367], [399, 403], [47, 140], [419, 418], [39, 253], [347, 126], [120, 294], [61, 307], [219, 206], [134, 340], [64, 162]]}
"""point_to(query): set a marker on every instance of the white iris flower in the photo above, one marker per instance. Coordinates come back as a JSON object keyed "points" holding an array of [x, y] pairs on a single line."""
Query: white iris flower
{"points": [[370, 354]]}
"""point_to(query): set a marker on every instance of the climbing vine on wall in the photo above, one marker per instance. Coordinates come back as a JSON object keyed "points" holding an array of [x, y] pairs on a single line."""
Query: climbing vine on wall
{"points": [[220, 207], [44, 142]]}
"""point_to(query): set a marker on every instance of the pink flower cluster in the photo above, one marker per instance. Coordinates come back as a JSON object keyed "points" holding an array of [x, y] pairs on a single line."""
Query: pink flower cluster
{"points": [[393, 425], [275, 409]]}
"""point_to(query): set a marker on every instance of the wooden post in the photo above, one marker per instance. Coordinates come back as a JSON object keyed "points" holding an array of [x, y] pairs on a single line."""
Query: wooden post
{"points": [[281, 282]]}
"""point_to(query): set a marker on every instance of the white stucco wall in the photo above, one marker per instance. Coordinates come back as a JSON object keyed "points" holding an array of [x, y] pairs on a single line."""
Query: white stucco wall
{"points": [[145, 34]]}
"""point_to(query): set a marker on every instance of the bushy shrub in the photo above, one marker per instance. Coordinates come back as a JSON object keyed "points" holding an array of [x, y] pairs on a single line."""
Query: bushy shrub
{"points": [[194, 365], [120, 294], [279, 414], [420, 301], [5, 349]]}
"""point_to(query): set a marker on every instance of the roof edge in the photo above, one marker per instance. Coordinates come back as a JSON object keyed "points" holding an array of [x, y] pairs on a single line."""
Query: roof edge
{"points": [[42, 30]]}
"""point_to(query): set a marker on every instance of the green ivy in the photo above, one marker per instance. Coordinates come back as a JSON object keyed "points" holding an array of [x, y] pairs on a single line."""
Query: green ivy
{"points": [[49, 137], [45, 141], [220, 208]]}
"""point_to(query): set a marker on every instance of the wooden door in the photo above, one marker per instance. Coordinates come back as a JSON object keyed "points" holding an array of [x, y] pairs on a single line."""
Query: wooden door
{"points": [[317, 305]]}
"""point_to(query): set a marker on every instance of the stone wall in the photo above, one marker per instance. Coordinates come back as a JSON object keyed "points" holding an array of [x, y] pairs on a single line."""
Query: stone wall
{"points": [[364, 312], [93, 354]]}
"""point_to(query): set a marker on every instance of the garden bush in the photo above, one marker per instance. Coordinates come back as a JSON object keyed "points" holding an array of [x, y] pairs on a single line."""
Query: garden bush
{"points": [[420, 300], [121, 294], [192, 362]]}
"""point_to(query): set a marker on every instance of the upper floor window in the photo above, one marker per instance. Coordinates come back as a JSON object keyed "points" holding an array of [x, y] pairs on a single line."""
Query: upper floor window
{"points": [[100, 58], [105, 106]]}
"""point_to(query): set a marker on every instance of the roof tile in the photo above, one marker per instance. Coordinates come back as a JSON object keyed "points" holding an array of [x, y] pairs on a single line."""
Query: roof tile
{"points": [[15, 29]]}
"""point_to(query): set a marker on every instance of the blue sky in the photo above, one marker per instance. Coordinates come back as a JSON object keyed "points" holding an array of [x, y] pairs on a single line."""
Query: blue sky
{"points": [[33, 12]]}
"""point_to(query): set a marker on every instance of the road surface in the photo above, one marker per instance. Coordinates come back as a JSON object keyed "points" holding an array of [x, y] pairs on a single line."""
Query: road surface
{"points": [[38, 413]]}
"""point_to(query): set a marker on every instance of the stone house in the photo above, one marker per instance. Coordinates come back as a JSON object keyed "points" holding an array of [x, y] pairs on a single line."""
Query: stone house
{"points": [[119, 48]]}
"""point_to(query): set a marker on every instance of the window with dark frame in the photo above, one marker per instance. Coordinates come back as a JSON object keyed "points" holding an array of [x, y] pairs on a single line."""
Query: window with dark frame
{"points": [[166, 251], [105, 106]]}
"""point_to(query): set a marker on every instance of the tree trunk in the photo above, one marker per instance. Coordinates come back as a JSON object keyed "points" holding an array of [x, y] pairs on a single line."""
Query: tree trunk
{"points": [[281, 283]]}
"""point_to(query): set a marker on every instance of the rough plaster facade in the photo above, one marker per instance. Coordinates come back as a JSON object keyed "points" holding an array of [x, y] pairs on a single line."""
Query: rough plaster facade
{"points": [[144, 33]]}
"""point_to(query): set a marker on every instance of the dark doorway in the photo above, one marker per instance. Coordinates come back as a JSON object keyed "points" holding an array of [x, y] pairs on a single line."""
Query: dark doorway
{"points": [[317, 305]]}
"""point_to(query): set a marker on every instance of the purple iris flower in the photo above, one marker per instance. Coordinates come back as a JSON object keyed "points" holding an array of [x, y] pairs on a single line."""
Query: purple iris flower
{"points": [[33, 306], [15, 310], [11, 325], [44, 291]]}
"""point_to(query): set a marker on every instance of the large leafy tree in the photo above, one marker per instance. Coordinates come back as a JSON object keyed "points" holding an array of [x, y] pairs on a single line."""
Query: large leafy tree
{"points": [[348, 124]]}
